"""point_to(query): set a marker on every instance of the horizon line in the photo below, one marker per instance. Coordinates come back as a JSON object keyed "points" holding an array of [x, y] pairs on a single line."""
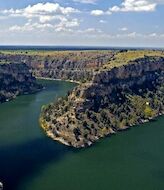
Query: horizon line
{"points": [[79, 47]]}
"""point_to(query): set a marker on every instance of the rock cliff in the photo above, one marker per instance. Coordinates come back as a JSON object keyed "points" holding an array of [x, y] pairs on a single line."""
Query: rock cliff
{"points": [[15, 79], [67, 65]]}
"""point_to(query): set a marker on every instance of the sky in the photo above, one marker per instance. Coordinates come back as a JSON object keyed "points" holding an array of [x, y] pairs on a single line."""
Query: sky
{"points": [[113, 23]]}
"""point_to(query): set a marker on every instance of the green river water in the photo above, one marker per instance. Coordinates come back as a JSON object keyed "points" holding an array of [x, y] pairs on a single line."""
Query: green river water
{"points": [[29, 160]]}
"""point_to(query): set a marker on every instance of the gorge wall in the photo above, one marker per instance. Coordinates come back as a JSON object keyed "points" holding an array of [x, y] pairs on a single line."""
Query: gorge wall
{"points": [[68, 65], [15, 79]]}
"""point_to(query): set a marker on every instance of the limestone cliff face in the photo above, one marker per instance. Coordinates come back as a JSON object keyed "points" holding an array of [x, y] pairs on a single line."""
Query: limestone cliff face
{"points": [[136, 77], [15, 79], [67, 65], [114, 100]]}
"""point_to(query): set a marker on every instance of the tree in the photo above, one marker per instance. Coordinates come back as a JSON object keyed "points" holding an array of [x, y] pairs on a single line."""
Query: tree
{"points": [[149, 112]]}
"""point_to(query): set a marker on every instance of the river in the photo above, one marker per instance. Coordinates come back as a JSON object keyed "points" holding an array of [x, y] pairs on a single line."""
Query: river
{"points": [[29, 160]]}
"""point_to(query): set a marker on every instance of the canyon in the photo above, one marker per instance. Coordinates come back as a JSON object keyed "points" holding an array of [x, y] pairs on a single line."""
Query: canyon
{"points": [[116, 90]]}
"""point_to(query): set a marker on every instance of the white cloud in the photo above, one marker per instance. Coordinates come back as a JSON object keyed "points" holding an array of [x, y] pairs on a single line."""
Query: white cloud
{"points": [[66, 24], [132, 35], [30, 27], [45, 18], [41, 15], [135, 5], [98, 34], [123, 29], [46, 11], [97, 12], [54, 23], [135, 35], [100, 12], [103, 21], [92, 31], [130, 6], [86, 1], [153, 35]]}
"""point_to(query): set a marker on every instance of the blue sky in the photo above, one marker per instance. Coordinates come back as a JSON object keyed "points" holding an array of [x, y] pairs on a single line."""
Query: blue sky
{"points": [[135, 23]]}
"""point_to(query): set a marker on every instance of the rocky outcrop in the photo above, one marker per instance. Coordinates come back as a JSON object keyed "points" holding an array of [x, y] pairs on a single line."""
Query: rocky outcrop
{"points": [[67, 65], [114, 100], [138, 75], [15, 79]]}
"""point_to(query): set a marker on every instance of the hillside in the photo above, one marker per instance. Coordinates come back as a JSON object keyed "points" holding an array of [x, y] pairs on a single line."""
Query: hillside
{"points": [[15, 79], [65, 65]]}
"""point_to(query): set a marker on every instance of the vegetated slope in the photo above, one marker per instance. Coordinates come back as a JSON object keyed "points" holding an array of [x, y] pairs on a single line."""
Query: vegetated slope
{"points": [[65, 65], [127, 90], [15, 79]]}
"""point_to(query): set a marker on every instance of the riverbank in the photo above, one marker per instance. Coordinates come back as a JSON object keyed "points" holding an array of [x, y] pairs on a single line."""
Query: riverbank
{"points": [[45, 78], [59, 139]]}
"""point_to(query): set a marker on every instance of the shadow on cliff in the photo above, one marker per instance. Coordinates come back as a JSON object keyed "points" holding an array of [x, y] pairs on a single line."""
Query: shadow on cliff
{"points": [[20, 161]]}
